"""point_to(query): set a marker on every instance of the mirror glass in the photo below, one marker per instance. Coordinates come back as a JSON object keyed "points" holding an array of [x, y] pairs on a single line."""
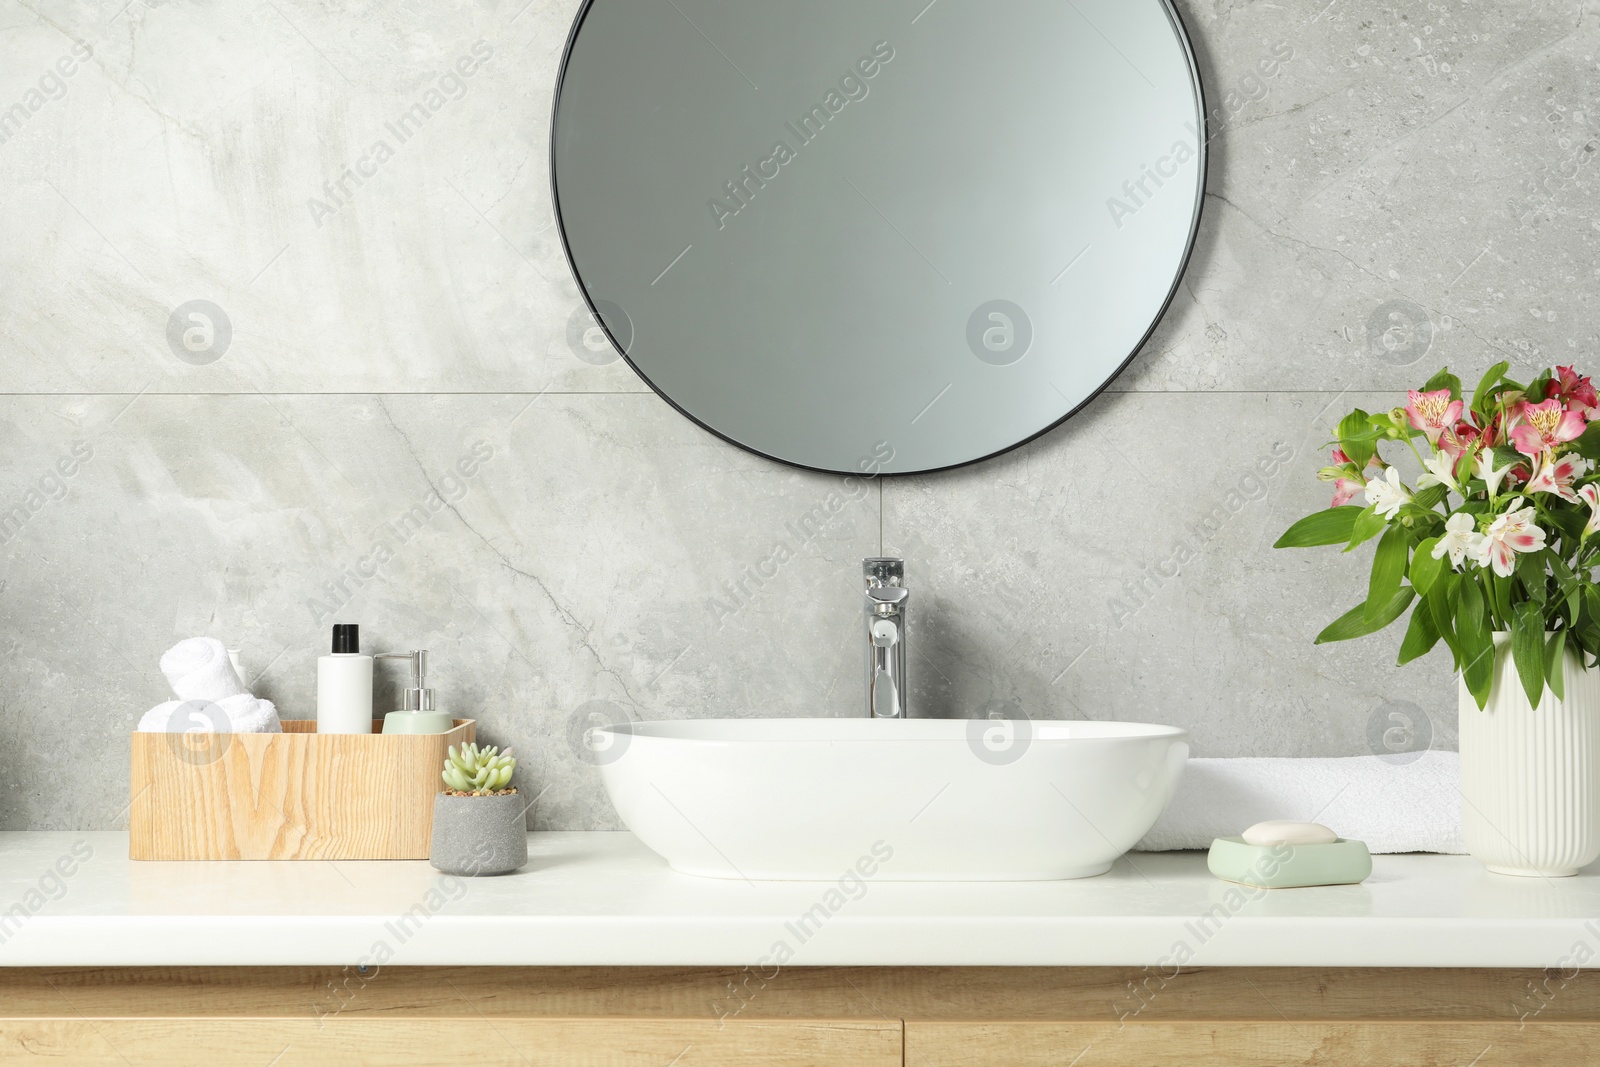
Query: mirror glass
{"points": [[878, 235]]}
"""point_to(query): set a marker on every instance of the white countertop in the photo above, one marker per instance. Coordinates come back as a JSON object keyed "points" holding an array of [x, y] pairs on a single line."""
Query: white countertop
{"points": [[604, 899]]}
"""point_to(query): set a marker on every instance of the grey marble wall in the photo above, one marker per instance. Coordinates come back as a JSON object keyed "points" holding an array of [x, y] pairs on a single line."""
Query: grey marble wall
{"points": [[1416, 186]]}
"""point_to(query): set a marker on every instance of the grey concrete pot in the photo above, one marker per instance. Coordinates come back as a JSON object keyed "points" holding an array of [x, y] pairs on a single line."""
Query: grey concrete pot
{"points": [[479, 835]]}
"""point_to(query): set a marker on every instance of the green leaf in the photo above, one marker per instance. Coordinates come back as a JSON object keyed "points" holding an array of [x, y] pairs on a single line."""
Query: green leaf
{"points": [[1368, 524], [1588, 442], [1444, 380], [1527, 649], [1506, 456], [1536, 388], [1429, 498], [1588, 641], [1425, 570], [1388, 568], [1441, 602], [1531, 573], [1357, 439], [1563, 573], [1480, 396], [1501, 590], [1476, 643], [1566, 522], [1421, 634], [1356, 623], [1330, 527], [1568, 588], [1554, 658], [1585, 641]]}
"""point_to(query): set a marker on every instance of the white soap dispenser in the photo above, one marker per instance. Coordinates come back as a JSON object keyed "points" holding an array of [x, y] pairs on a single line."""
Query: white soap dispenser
{"points": [[344, 685], [415, 714]]}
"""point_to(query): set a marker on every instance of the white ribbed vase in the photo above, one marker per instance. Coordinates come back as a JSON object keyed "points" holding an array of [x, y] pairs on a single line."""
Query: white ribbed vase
{"points": [[1530, 777]]}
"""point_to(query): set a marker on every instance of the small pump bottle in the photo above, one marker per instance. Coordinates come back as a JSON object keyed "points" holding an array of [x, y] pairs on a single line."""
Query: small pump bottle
{"points": [[344, 685]]}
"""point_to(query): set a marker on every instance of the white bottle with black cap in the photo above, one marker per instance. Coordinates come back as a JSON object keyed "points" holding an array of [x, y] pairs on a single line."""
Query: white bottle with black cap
{"points": [[344, 685]]}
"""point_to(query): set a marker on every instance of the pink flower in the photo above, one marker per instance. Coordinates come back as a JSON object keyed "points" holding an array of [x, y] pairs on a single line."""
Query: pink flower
{"points": [[1457, 443], [1555, 476], [1574, 391], [1432, 413], [1545, 425], [1374, 461], [1347, 480], [1509, 534]]}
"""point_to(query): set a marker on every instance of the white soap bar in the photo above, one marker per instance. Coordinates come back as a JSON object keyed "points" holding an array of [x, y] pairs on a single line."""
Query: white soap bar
{"points": [[1289, 832]]}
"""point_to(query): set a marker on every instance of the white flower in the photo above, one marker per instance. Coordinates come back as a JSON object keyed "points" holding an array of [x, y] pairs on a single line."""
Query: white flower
{"points": [[1461, 537], [1387, 494], [1556, 476], [1509, 534], [1440, 471], [1491, 477], [1591, 496]]}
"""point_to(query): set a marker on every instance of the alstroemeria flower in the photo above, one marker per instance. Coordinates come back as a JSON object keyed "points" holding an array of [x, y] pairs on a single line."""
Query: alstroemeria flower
{"points": [[1387, 494], [1440, 471], [1591, 496], [1509, 534], [1432, 413], [1486, 471], [1458, 438], [1545, 425], [1492, 434], [1347, 481], [1457, 444], [1574, 391], [1460, 537], [1556, 476]]}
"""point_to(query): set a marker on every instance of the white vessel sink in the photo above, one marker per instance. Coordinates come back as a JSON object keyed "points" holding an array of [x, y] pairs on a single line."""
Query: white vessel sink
{"points": [[918, 799]]}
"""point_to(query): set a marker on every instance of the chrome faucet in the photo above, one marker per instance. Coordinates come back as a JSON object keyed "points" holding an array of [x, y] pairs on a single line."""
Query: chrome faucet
{"points": [[886, 602]]}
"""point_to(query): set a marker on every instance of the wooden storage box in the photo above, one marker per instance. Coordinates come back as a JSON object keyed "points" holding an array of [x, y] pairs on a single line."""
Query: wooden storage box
{"points": [[298, 795]]}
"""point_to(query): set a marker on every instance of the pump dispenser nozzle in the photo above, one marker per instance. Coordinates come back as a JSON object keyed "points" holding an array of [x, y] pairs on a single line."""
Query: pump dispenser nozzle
{"points": [[416, 714]]}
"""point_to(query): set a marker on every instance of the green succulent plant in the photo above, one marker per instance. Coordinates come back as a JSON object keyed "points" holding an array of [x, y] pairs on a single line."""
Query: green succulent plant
{"points": [[478, 770]]}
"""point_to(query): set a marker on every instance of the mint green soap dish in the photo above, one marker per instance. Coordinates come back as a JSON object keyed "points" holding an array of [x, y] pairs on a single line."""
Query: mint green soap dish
{"points": [[1289, 866]]}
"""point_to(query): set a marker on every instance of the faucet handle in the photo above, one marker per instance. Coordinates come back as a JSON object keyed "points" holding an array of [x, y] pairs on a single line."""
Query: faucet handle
{"points": [[887, 599]]}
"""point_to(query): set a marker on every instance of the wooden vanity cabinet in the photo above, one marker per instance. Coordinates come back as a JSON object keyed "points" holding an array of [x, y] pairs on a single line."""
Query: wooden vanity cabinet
{"points": [[800, 1017]]}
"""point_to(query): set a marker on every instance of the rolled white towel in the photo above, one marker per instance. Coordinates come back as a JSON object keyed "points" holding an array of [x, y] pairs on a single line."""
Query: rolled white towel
{"points": [[1393, 807], [238, 714], [252, 715], [155, 720], [198, 668]]}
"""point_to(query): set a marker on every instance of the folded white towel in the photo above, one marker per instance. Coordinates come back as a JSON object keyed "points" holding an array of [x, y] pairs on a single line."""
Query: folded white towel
{"points": [[198, 668], [238, 714], [251, 715], [1393, 807]]}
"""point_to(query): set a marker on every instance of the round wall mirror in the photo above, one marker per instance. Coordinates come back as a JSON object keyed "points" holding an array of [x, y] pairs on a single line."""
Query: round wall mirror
{"points": [[878, 235]]}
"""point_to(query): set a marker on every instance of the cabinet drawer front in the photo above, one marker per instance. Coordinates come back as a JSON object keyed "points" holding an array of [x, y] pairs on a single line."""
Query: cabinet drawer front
{"points": [[471, 1039], [1249, 1044]]}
